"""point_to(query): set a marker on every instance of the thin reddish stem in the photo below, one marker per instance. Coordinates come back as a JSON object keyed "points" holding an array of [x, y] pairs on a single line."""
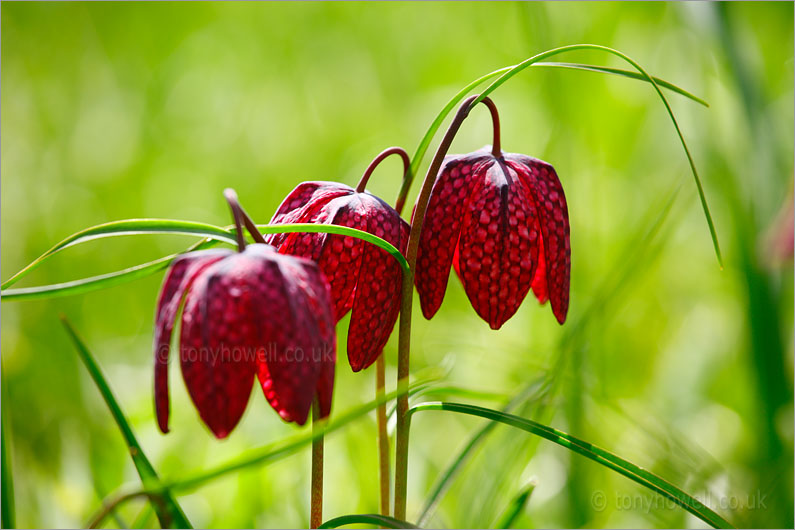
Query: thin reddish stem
{"points": [[316, 493], [234, 205], [377, 160], [240, 215], [495, 121]]}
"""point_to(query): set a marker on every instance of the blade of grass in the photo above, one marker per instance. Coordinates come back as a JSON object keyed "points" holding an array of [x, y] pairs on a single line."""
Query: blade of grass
{"points": [[86, 285], [445, 480], [126, 227], [7, 493], [168, 511], [624, 73], [590, 451], [516, 506], [340, 230], [150, 226], [369, 519]]}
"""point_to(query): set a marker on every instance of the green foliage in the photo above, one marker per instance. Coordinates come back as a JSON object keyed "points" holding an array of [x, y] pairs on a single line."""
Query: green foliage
{"points": [[151, 110], [597, 454], [168, 511], [370, 519]]}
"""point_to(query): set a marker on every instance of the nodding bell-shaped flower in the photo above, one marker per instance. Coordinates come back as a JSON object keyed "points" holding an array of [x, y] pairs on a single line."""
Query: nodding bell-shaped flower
{"points": [[249, 313], [501, 220], [364, 279]]}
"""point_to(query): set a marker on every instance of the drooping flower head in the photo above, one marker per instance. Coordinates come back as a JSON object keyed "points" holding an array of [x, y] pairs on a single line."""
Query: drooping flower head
{"points": [[246, 313], [502, 222], [364, 279]]}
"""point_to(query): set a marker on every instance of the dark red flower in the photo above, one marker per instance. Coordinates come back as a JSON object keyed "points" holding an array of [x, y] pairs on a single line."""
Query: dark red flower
{"points": [[502, 222], [248, 313], [363, 277]]}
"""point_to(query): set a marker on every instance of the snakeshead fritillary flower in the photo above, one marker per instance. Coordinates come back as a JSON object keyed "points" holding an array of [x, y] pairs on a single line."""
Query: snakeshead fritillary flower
{"points": [[503, 223], [363, 278], [246, 313]]}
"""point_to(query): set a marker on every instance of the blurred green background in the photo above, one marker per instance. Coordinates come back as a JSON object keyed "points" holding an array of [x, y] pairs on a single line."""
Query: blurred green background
{"points": [[113, 111]]}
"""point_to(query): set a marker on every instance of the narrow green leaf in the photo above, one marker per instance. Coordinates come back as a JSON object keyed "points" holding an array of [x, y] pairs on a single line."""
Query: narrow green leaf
{"points": [[8, 515], [445, 480], [590, 451], [213, 235], [168, 511], [516, 506], [370, 519], [431, 389], [340, 230], [85, 285], [127, 227], [556, 51], [624, 73]]}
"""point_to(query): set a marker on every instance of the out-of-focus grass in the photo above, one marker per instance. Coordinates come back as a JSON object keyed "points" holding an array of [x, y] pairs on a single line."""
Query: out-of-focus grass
{"points": [[115, 111]]}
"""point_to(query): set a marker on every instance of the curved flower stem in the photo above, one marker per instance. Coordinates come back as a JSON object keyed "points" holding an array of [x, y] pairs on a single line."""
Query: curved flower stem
{"points": [[407, 292], [495, 122], [377, 160], [231, 197], [316, 502], [240, 215]]}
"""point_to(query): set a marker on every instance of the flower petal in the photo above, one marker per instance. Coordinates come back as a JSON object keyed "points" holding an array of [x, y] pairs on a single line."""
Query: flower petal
{"points": [[441, 228], [339, 257], [178, 278], [547, 193], [539, 284], [318, 293], [377, 297], [301, 203], [296, 334], [219, 340], [497, 250]]}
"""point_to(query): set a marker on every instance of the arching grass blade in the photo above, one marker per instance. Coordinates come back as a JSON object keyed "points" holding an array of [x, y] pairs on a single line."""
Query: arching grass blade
{"points": [[369, 519], [213, 234], [624, 73], [590, 451], [126, 227], [168, 511]]}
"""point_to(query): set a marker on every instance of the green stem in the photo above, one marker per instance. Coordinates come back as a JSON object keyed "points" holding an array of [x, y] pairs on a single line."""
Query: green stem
{"points": [[7, 498], [407, 291], [316, 502], [383, 436], [384, 472]]}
